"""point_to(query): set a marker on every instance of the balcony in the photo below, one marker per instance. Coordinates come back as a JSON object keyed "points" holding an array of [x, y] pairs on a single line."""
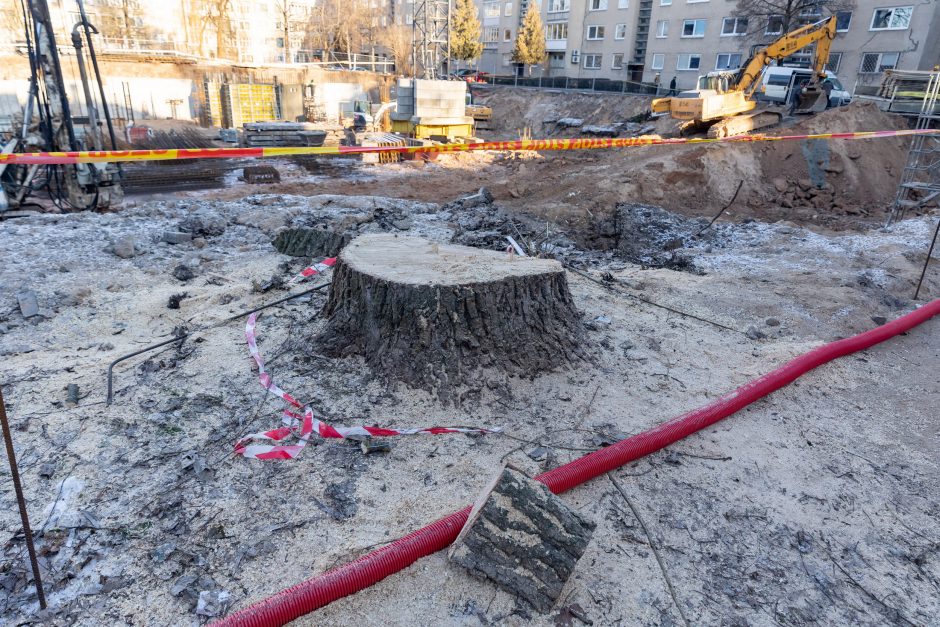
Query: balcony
{"points": [[554, 45]]}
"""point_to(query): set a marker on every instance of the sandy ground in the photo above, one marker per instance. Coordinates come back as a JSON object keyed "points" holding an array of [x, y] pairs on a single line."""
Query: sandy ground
{"points": [[818, 505]]}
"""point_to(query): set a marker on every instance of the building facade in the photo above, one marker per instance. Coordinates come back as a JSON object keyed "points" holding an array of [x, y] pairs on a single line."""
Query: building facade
{"points": [[657, 40]]}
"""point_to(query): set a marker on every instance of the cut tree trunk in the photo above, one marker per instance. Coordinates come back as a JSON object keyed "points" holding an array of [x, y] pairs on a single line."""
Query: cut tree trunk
{"points": [[431, 314], [309, 242], [523, 538]]}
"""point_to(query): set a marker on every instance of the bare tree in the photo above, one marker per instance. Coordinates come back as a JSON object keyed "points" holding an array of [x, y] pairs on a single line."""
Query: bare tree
{"points": [[213, 19], [766, 20], [398, 41]]}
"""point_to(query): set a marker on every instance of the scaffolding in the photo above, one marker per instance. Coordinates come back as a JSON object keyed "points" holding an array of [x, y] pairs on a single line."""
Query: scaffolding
{"points": [[920, 182], [431, 39]]}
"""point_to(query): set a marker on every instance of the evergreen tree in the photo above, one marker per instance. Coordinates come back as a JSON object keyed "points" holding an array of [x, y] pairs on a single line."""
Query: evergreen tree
{"points": [[465, 32], [530, 40]]}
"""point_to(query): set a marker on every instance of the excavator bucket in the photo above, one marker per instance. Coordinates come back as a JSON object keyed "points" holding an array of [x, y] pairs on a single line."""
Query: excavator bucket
{"points": [[812, 100]]}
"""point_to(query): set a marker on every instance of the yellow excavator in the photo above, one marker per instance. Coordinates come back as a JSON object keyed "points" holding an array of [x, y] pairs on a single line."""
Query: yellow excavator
{"points": [[724, 100]]}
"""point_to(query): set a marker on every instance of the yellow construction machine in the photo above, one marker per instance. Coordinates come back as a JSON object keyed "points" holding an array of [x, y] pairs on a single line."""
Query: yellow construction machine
{"points": [[724, 100]]}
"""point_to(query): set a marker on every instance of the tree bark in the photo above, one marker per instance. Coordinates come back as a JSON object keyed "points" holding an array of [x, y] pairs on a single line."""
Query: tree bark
{"points": [[432, 315], [523, 538]]}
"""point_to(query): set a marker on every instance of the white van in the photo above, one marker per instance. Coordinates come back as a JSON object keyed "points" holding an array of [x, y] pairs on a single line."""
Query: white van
{"points": [[780, 82]]}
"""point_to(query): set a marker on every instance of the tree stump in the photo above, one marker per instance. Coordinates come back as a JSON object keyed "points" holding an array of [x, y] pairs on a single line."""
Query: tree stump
{"points": [[523, 538], [432, 314], [309, 242]]}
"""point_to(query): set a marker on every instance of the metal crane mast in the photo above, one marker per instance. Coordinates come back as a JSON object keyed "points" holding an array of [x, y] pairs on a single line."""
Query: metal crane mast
{"points": [[431, 38]]}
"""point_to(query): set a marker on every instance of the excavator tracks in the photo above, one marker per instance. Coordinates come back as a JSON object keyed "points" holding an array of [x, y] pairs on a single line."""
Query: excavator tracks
{"points": [[744, 123]]}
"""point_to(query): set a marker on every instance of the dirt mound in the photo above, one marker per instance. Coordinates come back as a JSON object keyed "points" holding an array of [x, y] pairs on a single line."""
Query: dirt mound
{"points": [[517, 109], [831, 183]]}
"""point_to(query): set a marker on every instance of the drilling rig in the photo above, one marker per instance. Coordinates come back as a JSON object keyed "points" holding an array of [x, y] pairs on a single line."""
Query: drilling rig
{"points": [[71, 187]]}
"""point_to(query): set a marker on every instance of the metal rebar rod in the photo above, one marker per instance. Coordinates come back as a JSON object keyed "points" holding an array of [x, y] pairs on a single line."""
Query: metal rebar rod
{"points": [[927, 260], [24, 515], [183, 336]]}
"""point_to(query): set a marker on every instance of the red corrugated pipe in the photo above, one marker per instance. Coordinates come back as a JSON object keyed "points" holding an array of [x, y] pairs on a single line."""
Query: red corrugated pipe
{"points": [[368, 570]]}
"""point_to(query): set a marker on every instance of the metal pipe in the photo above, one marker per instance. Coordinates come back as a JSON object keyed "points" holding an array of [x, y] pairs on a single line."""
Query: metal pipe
{"points": [[94, 65], [83, 75], [21, 501]]}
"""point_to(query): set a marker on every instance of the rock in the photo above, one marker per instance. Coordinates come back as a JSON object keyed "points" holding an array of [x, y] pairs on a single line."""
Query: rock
{"points": [[879, 320], [404, 224], [182, 584], [753, 333], [176, 237], [203, 223], [174, 301], [601, 131], [212, 603], [805, 184], [539, 454], [482, 197], [162, 552], [199, 242], [570, 122], [76, 296], [772, 322], [780, 185], [183, 273], [47, 470], [29, 306], [125, 247]]}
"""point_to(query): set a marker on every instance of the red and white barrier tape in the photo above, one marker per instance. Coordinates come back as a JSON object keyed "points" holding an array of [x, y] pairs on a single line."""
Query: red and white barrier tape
{"points": [[305, 421]]}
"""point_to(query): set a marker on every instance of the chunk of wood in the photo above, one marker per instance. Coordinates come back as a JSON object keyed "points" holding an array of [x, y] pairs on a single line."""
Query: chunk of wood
{"points": [[523, 538]]}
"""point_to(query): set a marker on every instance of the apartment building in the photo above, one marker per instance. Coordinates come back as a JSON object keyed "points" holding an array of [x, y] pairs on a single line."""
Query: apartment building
{"points": [[691, 37], [584, 38], [649, 40]]}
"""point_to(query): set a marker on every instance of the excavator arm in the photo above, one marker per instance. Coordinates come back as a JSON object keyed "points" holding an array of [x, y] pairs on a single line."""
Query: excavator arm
{"points": [[821, 33]]}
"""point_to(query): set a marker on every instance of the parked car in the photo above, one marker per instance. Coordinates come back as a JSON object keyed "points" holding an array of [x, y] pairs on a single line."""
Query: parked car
{"points": [[779, 84], [470, 76]]}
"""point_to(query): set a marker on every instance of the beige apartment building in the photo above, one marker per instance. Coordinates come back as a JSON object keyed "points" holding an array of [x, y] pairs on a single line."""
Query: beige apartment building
{"points": [[649, 40]]}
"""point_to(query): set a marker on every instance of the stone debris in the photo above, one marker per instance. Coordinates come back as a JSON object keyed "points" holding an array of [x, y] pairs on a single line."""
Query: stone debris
{"points": [[29, 305]]}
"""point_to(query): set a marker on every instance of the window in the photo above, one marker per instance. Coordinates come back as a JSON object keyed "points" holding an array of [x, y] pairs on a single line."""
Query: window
{"points": [[507, 11], [774, 25], [895, 18], [874, 62], [689, 62], [662, 29], [507, 34], [507, 59], [843, 20], [491, 9], [658, 61], [620, 32], [728, 61], [617, 62], [557, 31], [598, 5], [835, 60], [556, 60], [623, 4], [694, 1], [557, 6], [595, 32], [810, 10], [592, 61], [693, 28], [734, 26], [665, 3], [491, 34]]}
